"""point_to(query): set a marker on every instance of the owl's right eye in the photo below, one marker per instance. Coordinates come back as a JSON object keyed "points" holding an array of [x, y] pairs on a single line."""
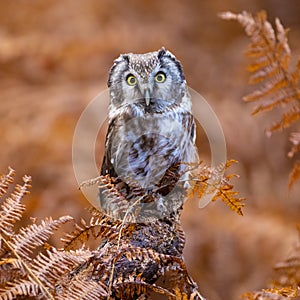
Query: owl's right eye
{"points": [[131, 79]]}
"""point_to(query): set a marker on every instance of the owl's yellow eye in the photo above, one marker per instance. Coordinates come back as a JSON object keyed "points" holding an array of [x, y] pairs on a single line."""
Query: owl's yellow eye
{"points": [[160, 77], [131, 80]]}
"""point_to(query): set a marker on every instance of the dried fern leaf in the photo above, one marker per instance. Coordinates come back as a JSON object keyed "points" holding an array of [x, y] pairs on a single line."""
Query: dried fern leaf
{"points": [[33, 236], [270, 70], [209, 180], [83, 289], [149, 255], [12, 208], [229, 197], [20, 288], [49, 268], [6, 180], [130, 289], [116, 205], [95, 228], [23, 244], [295, 140], [294, 175], [274, 293], [291, 116], [10, 269], [288, 272]]}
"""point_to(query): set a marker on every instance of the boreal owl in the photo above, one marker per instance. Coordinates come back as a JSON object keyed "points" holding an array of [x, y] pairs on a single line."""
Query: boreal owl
{"points": [[151, 134]]}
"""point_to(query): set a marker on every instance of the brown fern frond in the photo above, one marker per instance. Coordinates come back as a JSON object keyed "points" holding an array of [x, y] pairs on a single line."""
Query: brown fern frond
{"points": [[10, 270], [274, 293], [128, 289], [270, 70], [6, 180], [21, 245], [287, 118], [285, 285], [97, 227], [230, 197], [12, 208], [295, 174], [212, 181], [83, 288], [33, 236], [20, 288], [149, 255], [50, 267], [116, 204], [288, 271], [295, 140], [187, 296]]}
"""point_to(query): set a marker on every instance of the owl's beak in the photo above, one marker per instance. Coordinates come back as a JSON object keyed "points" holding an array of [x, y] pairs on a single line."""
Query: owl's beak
{"points": [[147, 97]]}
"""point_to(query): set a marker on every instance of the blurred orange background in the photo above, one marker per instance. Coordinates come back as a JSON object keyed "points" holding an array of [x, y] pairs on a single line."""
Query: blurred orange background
{"points": [[55, 57]]}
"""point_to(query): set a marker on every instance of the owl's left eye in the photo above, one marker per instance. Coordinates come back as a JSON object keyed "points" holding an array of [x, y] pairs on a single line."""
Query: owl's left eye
{"points": [[131, 79], [160, 77]]}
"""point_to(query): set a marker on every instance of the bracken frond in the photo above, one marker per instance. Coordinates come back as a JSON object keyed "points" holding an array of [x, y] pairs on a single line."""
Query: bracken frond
{"points": [[211, 181], [11, 269], [6, 180], [12, 208], [97, 227], [83, 288], [285, 285], [295, 140], [149, 255], [295, 174], [274, 294], [277, 81], [128, 289], [20, 288], [117, 204], [288, 271], [33, 236], [51, 267], [271, 54]]}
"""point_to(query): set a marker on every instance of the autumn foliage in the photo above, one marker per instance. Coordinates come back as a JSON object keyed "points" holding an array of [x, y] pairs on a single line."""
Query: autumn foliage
{"points": [[277, 82], [54, 58]]}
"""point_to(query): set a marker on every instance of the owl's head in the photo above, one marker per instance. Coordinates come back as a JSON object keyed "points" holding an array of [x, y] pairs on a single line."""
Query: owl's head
{"points": [[152, 81]]}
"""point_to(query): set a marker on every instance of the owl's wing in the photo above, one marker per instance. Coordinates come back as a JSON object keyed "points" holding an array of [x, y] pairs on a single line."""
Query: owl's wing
{"points": [[187, 154], [107, 166]]}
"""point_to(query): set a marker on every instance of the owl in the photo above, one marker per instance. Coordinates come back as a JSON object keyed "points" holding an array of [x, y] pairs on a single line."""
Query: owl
{"points": [[150, 140]]}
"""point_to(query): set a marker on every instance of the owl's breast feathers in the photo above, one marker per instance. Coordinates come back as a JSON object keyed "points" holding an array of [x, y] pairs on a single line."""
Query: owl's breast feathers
{"points": [[149, 149]]}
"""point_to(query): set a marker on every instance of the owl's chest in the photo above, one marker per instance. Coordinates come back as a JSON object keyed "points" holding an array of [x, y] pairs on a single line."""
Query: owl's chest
{"points": [[154, 132], [145, 147]]}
